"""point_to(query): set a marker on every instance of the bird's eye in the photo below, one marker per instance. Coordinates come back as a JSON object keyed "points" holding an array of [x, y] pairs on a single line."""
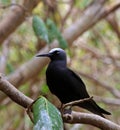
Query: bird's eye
{"points": [[57, 52]]}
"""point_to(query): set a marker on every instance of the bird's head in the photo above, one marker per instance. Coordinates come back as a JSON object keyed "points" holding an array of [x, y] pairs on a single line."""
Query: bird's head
{"points": [[55, 54]]}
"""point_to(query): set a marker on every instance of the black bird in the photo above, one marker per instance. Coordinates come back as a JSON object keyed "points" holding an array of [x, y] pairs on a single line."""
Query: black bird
{"points": [[65, 84]]}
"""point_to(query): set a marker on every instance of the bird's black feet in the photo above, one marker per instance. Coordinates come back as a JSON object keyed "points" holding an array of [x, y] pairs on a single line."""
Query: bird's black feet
{"points": [[65, 109]]}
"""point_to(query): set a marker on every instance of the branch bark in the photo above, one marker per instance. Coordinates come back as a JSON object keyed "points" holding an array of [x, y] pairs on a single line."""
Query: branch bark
{"points": [[92, 119], [16, 16], [75, 117], [14, 93]]}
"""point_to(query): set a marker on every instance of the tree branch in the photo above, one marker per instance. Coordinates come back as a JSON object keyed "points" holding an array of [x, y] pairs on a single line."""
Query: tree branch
{"points": [[14, 93], [17, 17], [92, 119], [75, 117]]}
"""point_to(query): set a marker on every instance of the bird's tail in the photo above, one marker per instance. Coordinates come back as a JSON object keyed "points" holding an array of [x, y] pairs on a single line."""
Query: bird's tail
{"points": [[94, 108]]}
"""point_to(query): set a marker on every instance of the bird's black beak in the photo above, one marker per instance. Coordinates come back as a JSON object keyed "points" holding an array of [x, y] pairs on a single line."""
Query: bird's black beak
{"points": [[43, 55]]}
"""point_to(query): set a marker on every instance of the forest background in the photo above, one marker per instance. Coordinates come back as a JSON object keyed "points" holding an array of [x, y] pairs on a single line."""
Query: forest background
{"points": [[92, 32]]}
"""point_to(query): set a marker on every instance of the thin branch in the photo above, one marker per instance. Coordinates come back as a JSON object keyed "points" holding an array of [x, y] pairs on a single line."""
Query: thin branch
{"points": [[111, 10], [107, 48], [76, 102], [108, 101], [111, 89], [71, 3], [105, 58], [112, 20]]}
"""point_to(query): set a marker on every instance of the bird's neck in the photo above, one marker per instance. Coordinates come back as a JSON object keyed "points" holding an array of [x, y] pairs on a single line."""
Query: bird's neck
{"points": [[58, 63]]}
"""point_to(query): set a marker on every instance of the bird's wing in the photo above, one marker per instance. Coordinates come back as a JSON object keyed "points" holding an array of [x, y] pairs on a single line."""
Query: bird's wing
{"points": [[79, 85]]}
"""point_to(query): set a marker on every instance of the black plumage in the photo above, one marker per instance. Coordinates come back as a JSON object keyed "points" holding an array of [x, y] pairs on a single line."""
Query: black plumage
{"points": [[65, 84]]}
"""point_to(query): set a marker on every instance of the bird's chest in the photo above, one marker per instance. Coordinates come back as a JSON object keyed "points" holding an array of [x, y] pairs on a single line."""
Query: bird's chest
{"points": [[55, 79], [54, 75]]}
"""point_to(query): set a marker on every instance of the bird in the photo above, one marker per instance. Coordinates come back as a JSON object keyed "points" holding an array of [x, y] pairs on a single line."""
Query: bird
{"points": [[66, 84]]}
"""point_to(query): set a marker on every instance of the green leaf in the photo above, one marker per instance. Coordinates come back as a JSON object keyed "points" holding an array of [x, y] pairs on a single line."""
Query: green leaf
{"points": [[62, 41], [40, 28], [54, 33], [46, 116], [52, 30]]}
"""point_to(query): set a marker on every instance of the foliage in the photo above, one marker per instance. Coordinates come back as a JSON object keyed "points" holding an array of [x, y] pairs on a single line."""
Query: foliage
{"points": [[40, 28], [48, 32], [54, 33]]}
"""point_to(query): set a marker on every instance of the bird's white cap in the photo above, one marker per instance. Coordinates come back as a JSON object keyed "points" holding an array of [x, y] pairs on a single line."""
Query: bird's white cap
{"points": [[56, 49]]}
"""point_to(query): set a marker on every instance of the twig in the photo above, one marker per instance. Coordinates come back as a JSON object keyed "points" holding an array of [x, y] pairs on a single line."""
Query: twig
{"points": [[28, 110], [67, 14], [112, 20], [112, 9], [76, 102]]}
